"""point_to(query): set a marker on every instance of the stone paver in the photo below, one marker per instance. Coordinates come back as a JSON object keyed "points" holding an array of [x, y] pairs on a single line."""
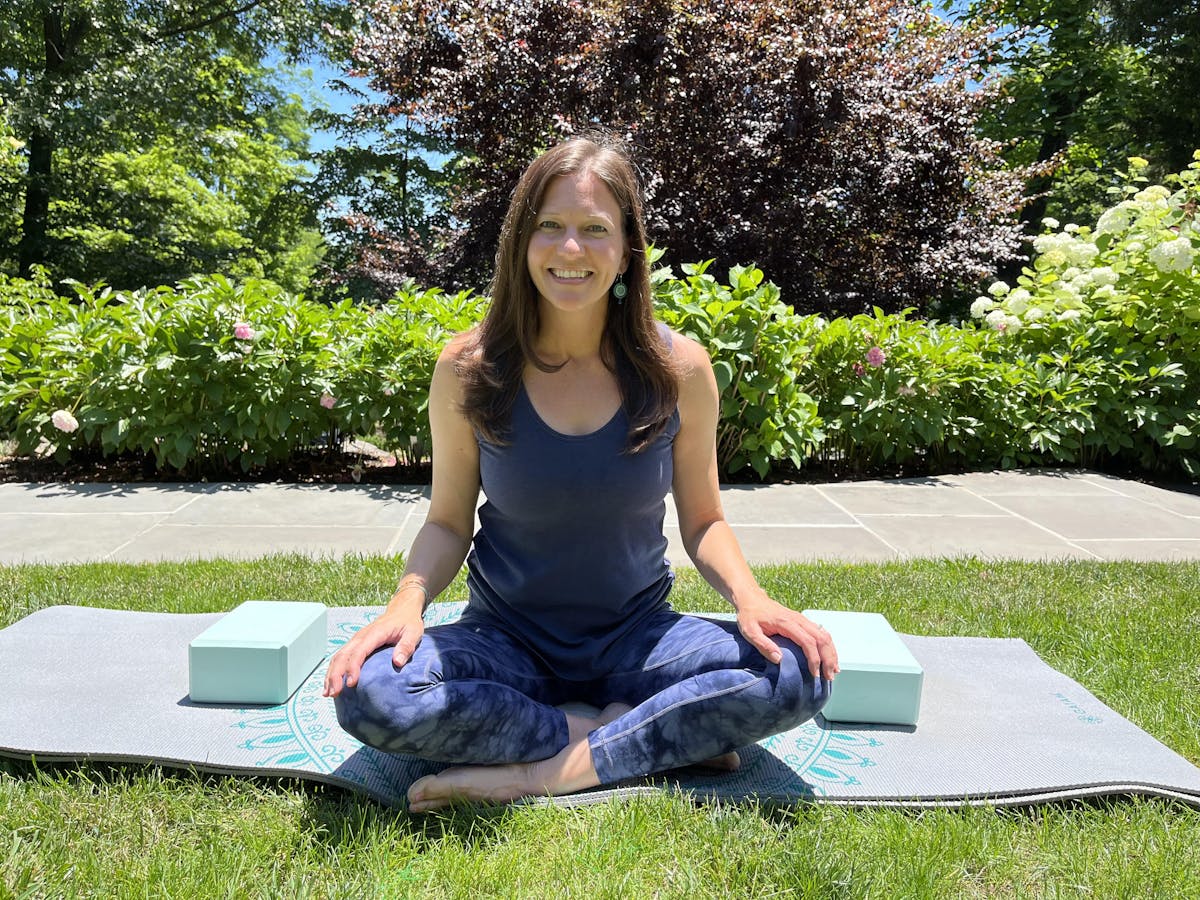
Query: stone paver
{"points": [[990, 537], [998, 515], [1102, 518], [907, 497]]}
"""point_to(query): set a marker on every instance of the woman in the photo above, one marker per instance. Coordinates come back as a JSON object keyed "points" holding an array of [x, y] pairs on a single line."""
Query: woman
{"points": [[576, 412]]}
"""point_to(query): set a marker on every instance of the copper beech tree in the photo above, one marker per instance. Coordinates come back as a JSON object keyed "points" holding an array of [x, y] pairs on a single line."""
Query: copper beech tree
{"points": [[832, 142]]}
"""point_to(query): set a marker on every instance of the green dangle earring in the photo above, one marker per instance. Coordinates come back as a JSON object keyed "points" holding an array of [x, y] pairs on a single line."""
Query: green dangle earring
{"points": [[619, 289]]}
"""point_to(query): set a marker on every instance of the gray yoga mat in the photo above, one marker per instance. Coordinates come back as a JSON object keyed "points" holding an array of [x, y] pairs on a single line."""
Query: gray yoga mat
{"points": [[998, 726]]}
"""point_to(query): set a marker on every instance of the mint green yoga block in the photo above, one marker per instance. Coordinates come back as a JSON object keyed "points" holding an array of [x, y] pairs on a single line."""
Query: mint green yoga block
{"points": [[257, 653], [880, 680]]}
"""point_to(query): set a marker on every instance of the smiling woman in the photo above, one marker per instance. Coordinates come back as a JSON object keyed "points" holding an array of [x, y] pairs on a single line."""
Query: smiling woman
{"points": [[575, 412], [579, 248]]}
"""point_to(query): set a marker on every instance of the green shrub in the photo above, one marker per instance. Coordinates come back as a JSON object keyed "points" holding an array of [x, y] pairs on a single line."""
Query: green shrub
{"points": [[1106, 324], [757, 347], [1093, 358], [210, 374], [385, 364]]}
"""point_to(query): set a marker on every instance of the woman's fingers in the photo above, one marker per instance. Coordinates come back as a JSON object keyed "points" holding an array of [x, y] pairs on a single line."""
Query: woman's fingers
{"points": [[763, 644], [345, 665], [812, 639], [827, 652], [406, 646]]}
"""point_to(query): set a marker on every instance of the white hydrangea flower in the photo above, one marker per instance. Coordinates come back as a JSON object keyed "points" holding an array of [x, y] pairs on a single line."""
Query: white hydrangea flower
{"points": [[1070, 228], [1104, 292], [1043, 243], [1069, 315], [1052, 249], [1083, 252], [1173, 256], [1012, 324], [1135, 246], [1016, 305], [998, 289], [1152, 194], [981, 306], [1019, 294], [1050, 222], [1034, 313], [1114, 220], [1104, 275], [1071, 274], [996, 315]]}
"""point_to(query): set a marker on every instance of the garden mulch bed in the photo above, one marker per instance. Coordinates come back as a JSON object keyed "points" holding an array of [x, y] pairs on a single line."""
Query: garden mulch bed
{"points": [[357, 464], [363, 463]]}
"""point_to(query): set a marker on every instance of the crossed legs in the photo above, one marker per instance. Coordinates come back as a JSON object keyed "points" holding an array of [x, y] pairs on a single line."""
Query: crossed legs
{"points": [[684, 690]]}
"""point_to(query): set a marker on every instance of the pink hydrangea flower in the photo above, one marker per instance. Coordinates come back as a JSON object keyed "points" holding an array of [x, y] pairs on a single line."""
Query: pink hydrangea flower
{"points": [[328, 401], [876, 357], [243, 332], [64, 421]]}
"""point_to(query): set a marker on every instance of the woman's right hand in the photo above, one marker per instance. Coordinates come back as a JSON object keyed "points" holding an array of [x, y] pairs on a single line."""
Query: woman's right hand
{"points": [[401, 627]]}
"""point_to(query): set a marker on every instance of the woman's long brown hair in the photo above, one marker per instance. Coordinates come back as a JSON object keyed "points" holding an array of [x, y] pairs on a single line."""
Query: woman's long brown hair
{"points": [[492, 364]]}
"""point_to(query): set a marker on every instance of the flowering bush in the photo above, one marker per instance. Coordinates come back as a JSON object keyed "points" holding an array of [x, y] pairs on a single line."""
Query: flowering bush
{"points": [[211, 375], [1115, 311], [1092, 357]]}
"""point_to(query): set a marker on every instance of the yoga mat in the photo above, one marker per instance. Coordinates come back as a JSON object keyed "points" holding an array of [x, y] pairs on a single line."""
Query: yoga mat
{"points": [[998, 726]]}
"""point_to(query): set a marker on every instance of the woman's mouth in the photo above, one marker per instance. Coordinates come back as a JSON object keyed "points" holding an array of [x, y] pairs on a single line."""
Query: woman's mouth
{"points": [[570, 274]]}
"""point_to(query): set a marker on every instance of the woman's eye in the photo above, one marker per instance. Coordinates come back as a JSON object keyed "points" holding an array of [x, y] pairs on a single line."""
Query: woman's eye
{"points": [[597, 229], [547, 223]]}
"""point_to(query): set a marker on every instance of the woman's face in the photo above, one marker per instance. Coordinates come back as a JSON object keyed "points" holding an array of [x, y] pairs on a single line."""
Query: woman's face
{"points": [[578, 244]]}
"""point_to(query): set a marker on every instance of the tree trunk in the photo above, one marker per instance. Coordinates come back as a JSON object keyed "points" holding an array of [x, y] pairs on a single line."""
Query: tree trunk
{"points": [[61, 40], [32, 249], [1053, 141]]}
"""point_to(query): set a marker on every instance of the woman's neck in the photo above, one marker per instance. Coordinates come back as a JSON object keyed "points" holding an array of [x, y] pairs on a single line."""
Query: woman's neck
{"points": [[563, 338]]}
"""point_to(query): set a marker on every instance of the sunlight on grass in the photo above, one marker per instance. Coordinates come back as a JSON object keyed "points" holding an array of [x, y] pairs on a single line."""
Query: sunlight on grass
{"points": [[1129, 632]]}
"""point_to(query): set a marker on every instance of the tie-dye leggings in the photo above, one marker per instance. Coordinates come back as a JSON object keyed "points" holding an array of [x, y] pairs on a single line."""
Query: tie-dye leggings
{"points": [[473, 695]]}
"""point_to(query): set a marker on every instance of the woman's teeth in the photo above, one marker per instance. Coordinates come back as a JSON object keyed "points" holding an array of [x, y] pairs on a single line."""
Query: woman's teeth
{"points": [[570, 273]]}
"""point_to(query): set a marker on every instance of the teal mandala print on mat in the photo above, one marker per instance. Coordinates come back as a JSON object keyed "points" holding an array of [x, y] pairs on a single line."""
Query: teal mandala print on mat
{"points": [[823, 756], [303, 733]]}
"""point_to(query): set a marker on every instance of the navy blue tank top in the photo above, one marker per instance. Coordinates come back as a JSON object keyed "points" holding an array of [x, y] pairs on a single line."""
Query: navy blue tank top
{"points": [[570, 554]]}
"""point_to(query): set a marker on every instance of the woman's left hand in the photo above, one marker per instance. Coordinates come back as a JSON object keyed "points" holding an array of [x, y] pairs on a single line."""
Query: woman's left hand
{"points": [[760, 618]]}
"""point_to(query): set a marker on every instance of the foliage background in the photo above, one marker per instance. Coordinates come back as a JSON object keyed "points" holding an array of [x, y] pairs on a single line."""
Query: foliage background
{"points": [[832, 144], [1092, 359]]}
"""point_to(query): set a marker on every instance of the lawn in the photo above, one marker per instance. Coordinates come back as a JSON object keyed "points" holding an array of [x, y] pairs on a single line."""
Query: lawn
{"points": [[1130, 633]]}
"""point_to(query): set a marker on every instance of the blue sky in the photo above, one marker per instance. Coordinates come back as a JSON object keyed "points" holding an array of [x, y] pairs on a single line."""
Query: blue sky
{"points": [[312, 82]]}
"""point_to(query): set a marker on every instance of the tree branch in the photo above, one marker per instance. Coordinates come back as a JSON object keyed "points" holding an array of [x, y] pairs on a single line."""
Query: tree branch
{"points": [[211, 20]]}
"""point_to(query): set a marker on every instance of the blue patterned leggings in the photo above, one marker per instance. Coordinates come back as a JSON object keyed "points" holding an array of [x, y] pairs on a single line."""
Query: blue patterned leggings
{"points": [[472, 695]]}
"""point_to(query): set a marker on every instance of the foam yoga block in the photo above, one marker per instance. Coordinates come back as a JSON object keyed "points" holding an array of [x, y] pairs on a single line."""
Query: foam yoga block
{"points": [[880, 680], [258, 653]]}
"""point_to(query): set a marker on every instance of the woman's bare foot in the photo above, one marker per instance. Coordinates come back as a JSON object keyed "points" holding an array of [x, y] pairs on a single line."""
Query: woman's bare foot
{"points": [[726, 762], [567, 771]]}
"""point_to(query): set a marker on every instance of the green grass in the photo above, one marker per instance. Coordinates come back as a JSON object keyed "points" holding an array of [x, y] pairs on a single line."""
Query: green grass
{"points": [[1129, 632]]}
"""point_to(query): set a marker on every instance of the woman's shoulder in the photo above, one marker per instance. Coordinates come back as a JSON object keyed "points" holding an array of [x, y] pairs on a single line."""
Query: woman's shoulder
{"points": [[694, 374], [454, 362], [462, 344], [690, 356]]}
